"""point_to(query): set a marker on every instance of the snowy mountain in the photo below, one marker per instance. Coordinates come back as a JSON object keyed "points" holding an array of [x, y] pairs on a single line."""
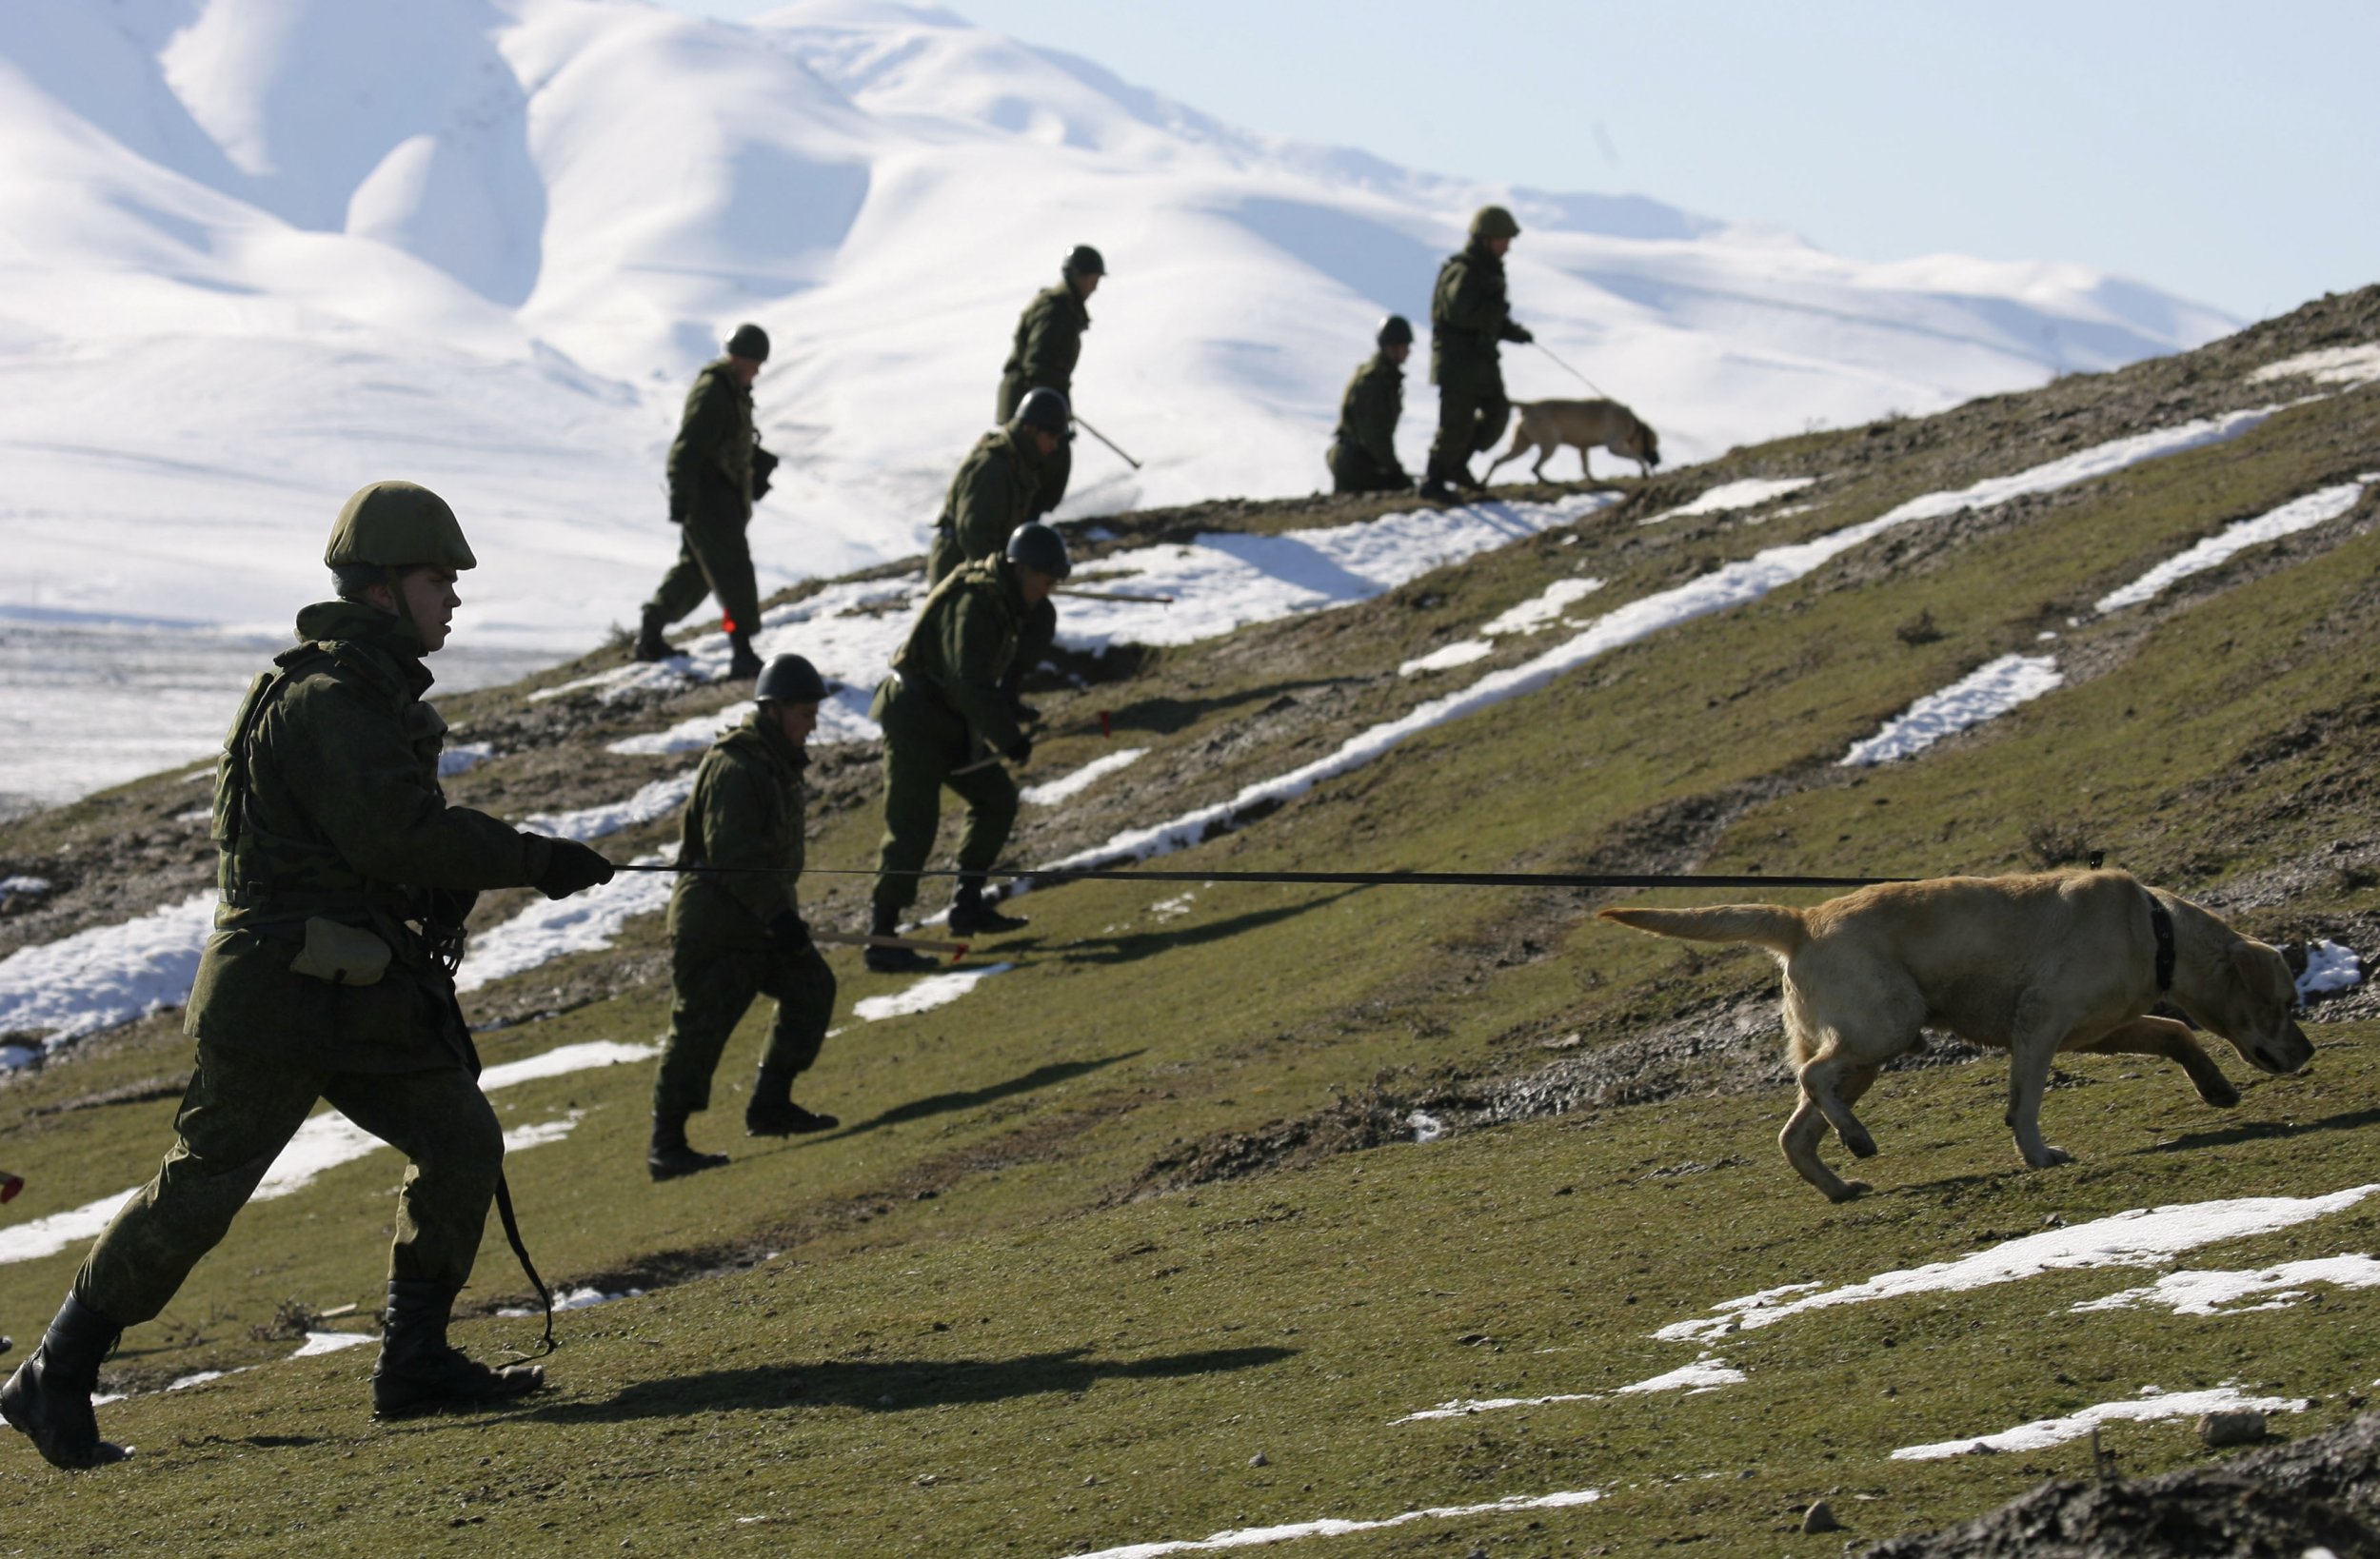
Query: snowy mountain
{"points": [[264, 251]]}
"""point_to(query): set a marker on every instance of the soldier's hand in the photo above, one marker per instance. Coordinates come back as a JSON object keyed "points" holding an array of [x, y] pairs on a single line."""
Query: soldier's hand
{"points": [[571, 867], [1520, 333], [788, 933], [1020, 751]]}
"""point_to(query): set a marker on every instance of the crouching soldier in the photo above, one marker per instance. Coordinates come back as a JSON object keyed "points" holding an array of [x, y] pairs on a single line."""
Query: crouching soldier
{"points": [[994, 493], [737, 932], [1363, 456], [947, 722], [346, 879]]}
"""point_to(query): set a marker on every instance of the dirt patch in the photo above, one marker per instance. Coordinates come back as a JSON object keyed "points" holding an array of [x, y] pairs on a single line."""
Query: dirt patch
{"points": [[2319, 1492]]}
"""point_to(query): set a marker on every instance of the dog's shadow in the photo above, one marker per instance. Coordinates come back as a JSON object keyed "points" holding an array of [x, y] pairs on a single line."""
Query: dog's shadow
{"points": [[2259, 1131]]}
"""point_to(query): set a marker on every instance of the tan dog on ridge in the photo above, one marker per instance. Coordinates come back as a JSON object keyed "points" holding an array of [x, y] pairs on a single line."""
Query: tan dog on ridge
{"points": [[2034, 965], [1546, 425]]}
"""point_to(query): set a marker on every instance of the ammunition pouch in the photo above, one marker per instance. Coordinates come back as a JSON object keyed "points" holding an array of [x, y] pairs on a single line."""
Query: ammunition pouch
{"points": [[340, 954]]}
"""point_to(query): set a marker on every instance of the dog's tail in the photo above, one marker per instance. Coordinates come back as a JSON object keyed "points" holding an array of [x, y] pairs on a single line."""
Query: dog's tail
{"points": [[1777, 927]]}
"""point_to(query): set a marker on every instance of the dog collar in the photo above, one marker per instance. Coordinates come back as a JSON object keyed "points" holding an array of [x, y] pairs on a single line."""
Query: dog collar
{"points": [[2161, 922]]}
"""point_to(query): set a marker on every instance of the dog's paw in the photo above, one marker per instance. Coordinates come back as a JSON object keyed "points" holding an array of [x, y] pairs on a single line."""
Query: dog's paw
{"points": [[2219, 1092], [1852, 1191], [2049, 1157]]}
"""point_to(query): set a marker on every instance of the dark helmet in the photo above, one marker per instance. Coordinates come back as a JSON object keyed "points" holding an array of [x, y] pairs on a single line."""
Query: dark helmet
{"points": [[1396, 330], [1046, 409], [789, 678], [398, 524], [749, 341], [1084, 261], [1494, 222], [1039, 547]]}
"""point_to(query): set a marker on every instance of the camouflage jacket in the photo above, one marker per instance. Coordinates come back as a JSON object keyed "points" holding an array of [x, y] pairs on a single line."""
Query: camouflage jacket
{"points": [[992, 494], [710, 463], [1368, 412], [328, 806], [1469, 314], [1048, 343], [747, 811], [960, 647]]}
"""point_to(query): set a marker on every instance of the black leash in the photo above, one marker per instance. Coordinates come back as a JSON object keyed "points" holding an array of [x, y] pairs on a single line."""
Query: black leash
{"points": [[1384, 880]]}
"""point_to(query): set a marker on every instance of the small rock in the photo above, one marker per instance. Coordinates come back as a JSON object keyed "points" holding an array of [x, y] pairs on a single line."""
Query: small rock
{"points": [[1091, 1482], [1820, 1518], [2243, 1427], [1472, 1339], [925, 1480], [1261, 1460]]}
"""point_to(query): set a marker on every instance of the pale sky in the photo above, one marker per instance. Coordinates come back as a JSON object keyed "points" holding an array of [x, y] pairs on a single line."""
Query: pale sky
{"points": [[2220, 151]]}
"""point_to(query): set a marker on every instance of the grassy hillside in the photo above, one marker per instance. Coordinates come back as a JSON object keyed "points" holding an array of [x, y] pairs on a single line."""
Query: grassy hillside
{"points": [[1134, 1241]]}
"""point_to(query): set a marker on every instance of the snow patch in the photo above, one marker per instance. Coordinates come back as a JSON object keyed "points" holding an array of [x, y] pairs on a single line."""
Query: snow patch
{"points": [[29, 887], [2044, 1432], [1705, 1374], [1748, 493], [1986, 693], [464, 757], [331, 1342], [654, 800], [110, 975], [573, 1299], [2328, 967], [1446, 658], [1542, 610], [924, 995], [2221, 1292], [1082, 779], [1252, 1537], [2139, 1237], [2346, 366], [555, 928], [2298, 514]]}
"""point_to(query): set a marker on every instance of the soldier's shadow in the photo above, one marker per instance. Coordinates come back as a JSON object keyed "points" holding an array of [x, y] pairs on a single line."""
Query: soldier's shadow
{"points": [[969, 1099], [2353, 1120], [1164, 716], [892, 1385]]}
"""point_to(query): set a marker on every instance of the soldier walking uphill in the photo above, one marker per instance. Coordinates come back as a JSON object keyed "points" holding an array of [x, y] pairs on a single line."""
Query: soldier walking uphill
{"points": [[1049, 340], [947, 722], [738, 931], [1362, 455], [346, 879], [994, 493], [1468, 317], [717, 471]]}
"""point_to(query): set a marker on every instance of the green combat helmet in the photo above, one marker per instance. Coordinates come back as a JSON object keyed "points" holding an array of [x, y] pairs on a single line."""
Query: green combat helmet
{"points": [[1039, 547], [1396, 330], [1494, 222], [1083, 261], [1045, 408], [398, 524], [749, 341], [789, 678]]}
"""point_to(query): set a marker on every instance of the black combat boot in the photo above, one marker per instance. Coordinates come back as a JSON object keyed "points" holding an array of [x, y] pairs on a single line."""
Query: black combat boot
{"points": [[743, 665], [669, 1156], [772, 1111], [418, 1373], [1433, 489], [970, 915], [1464, 481], [47, 1400], [651, 643], [892, 960]]}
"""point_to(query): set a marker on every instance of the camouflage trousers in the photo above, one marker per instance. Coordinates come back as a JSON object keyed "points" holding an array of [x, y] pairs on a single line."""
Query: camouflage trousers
{"points": [[925, 746], [240, 1111], [1472, 412], [1353, 471], [714, 987], [714, 559]]}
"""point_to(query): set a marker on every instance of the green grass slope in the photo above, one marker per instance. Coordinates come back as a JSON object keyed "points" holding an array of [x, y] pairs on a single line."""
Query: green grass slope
{"points": [[1133, 1242]]}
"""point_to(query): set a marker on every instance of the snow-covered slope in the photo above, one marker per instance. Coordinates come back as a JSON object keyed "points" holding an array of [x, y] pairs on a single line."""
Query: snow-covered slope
{"points": [[259, 251]]}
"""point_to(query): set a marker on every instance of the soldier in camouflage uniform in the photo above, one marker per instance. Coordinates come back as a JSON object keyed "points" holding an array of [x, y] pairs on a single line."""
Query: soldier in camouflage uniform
{"points": [[1049, 340], [346, 878], [717, 471], [946, 722], [994, 493], [1362, 455], [739, 931], [1468, 317]]}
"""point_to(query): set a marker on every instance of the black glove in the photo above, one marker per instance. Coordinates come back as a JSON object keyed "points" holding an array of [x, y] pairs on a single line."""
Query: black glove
{"points": [[764, 466], [788, 933], [1020, 751], [678, 507], [571, 867], [1517, 333]]}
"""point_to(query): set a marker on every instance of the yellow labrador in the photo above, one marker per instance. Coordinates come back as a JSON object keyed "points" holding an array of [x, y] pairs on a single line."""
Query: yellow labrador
{"points": [[2034, 964], [1546, 425]]}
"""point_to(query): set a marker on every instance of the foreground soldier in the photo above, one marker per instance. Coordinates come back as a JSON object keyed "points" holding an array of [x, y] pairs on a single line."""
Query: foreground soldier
{"points": [[739, 931], [346, 879], [992, 495], [1468, 317], [716, 470], [946, 722], [1363, 456], [1049, 340]]}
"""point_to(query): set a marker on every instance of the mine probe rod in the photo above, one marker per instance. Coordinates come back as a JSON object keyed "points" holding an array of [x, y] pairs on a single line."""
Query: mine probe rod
{"points": [[1106, 439], [1112, 595], [1572, 372]]}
